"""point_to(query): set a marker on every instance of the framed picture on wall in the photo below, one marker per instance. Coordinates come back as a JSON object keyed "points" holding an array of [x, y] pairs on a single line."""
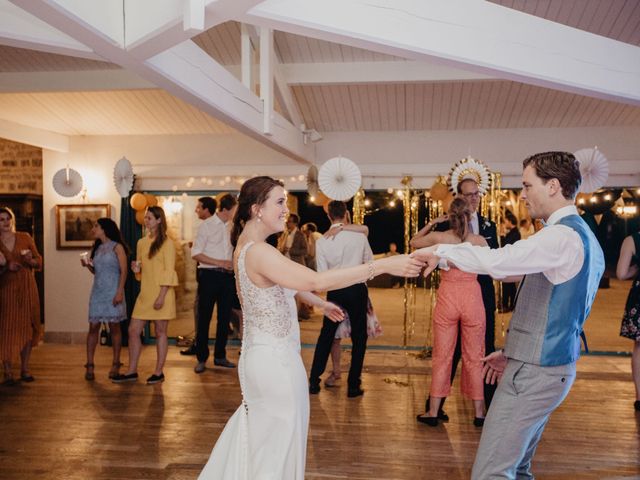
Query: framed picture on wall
{"points": [[74, 224]]}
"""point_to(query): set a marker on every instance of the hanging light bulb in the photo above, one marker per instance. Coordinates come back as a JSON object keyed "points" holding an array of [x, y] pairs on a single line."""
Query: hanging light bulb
{"points": [[389, 190], [301, 177], [367, 202], [607, 197], [392, 203], [593, 199]]}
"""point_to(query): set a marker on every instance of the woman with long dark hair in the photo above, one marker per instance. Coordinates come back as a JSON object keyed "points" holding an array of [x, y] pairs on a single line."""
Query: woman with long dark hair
{"points": [[154, 267], [19, 300], [267, 436], [459, 305], [108, 263]]}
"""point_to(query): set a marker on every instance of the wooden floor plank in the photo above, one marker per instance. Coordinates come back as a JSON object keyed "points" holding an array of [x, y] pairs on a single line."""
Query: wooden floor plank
{"points": [[64, 427]]}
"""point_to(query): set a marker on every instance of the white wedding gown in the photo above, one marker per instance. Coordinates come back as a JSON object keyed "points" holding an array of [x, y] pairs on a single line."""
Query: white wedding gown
{"points": [[266, 438]]}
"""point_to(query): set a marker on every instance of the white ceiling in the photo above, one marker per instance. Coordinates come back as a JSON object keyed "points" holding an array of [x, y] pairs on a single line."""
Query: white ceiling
{"points": [[332, 87]]}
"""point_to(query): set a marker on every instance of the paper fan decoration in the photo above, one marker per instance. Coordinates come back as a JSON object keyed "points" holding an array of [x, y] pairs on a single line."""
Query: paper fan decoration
{"points": [[312, 181], [123, 177], [339, 178], [470, 168], [594, 168], [67, 182]]}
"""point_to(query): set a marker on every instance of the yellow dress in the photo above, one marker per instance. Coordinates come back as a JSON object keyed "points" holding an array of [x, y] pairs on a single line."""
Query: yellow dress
{"points": [[156, 272]]}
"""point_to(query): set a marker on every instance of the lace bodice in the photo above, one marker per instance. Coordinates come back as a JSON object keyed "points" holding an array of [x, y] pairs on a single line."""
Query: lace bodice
{"points": [[269, 310]]}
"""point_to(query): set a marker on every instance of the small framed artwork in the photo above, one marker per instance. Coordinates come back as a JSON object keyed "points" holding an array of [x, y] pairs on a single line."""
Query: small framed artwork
{"points": [[74, 224]]}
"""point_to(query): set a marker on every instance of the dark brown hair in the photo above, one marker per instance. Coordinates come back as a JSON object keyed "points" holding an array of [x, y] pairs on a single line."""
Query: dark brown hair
{"points": [[459, 217], [161, 233], [336, 209], [209, 204], [253, 192], [560, 165], [112, 232], [227, 202]]}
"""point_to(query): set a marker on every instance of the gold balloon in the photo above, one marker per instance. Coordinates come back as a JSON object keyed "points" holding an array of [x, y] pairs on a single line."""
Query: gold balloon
{"points": [[325, 205], [140, 217], [138, 201], [320, 199], [152, 200], [439, 191], [446, 201]]}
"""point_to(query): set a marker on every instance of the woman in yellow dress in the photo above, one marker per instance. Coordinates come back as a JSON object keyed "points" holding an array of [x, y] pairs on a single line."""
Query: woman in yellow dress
{"points": [[155, 269]]}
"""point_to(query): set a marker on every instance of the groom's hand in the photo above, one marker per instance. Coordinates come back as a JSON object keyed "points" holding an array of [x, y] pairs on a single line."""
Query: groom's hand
{"points": [[428, 256]]}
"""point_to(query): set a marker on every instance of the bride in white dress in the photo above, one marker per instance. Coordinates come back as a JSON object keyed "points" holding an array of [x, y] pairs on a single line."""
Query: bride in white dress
{"points": [[266, 438]]}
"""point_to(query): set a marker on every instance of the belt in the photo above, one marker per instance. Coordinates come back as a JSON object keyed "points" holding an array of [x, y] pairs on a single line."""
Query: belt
{"points": [[217, 269]]}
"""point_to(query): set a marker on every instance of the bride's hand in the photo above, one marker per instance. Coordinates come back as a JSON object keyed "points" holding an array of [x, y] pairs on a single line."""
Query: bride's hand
{"points": [[332, 312], [402, 265], [427, 255]]}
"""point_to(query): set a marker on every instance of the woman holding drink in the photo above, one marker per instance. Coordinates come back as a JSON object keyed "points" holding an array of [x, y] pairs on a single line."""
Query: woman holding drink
{"points": [[19, 300], [108, 262], [154, 268]]}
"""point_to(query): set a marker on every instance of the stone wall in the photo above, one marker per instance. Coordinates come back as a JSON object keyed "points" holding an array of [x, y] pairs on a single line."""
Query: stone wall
{"points": [[20, 168]]}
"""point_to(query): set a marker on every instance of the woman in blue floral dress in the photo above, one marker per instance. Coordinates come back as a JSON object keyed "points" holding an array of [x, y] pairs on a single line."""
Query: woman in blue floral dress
{"points": [[629, 267], [108, 262]]}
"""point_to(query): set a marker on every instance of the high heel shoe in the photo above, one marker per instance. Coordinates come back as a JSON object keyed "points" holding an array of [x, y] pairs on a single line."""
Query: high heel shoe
{"points": [[89, 375], [331, 380], [115, 369]]}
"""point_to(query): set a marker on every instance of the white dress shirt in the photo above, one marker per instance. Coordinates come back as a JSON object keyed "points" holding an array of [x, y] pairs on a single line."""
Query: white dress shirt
{"points": [[556, 251], [346, 249], [214, 240], [475, 223]]}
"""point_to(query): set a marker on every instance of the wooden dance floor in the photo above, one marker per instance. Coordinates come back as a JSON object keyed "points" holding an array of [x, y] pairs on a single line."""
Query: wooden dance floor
{"points": [[63, 427]]}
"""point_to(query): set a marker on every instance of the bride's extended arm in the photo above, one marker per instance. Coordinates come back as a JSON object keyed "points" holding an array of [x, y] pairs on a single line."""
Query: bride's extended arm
{"points": [[266, 262], [330, 310]]}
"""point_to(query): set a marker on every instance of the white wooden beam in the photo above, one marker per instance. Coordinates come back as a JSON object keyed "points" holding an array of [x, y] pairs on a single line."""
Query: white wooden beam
{"points": [[22, 30], [373, 72], [190, 74], [166, 27], [34, 136], [193, 18], [266, 78], [470, 34], [246, 57], [83, 81]]}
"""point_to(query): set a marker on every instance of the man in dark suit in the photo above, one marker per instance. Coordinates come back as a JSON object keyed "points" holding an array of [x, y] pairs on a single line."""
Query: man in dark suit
{"points": [[468, 188]]}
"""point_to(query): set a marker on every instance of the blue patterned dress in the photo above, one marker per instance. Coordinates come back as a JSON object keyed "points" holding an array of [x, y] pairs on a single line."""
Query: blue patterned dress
{"points": [[631, 320], [105, 286]]}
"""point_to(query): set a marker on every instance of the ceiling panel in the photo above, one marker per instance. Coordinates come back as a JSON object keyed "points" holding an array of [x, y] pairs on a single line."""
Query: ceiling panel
{"points": [[616, 19], [14, 59], [455, 106], [127, 112]]}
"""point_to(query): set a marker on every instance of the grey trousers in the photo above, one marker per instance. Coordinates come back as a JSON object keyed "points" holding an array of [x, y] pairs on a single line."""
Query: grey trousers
{"points": [[524, 400]]}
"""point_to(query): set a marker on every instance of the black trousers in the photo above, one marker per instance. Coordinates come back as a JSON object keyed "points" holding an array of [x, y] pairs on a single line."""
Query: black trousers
{"points": [[354, 300], [489, 300], [214, 286]]}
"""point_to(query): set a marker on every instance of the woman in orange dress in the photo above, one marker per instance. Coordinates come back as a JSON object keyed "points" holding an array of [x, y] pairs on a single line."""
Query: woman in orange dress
{"points": [[19, 301]]}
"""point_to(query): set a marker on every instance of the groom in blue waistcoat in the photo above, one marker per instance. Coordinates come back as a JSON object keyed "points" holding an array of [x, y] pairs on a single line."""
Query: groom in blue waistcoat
{"points": [[559, 268]]}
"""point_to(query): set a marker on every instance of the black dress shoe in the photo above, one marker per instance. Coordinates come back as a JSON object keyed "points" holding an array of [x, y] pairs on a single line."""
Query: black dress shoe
{"points": [[355, 392], [636, 405], [478, 422], [155, 379], [314, 388], [189, 351], [223, 362], [427, 420]]}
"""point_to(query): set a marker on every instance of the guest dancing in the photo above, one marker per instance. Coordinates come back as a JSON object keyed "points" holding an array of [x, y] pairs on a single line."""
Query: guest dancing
{"points": [[629, 267], [266, 438], [108, 264], [459, 307], [562, 265], [19, 300], [154, 267]]}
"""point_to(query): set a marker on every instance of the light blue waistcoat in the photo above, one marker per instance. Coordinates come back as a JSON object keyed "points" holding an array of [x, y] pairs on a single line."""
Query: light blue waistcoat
{"points": [[547, 320]]}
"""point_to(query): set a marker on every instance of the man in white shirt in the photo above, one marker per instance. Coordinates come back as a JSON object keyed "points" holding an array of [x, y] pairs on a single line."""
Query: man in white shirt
{"points": [[346, 249], [213, 252], [560, 268]]}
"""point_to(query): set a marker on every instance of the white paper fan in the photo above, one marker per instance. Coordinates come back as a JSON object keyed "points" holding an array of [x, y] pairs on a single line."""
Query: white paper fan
{"points": [[312, 181], [67, 182], [594, 168], [123, 177], [339, 178]]}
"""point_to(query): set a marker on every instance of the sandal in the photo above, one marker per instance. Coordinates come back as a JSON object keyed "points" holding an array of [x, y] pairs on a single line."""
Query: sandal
{"points": [[89, 375], [115, 369]]}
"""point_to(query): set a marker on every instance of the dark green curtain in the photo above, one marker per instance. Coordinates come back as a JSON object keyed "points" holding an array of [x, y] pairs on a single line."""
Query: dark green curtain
{"points": [[131, 232]]}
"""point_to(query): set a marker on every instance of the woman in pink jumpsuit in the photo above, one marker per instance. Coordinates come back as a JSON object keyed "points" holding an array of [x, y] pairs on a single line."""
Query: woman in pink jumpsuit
{"points": [[459, 305]]}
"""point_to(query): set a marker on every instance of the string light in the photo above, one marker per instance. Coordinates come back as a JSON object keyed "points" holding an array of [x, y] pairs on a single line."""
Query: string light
{"points": [[607, 197], [392, 203], [389, 190], [399, 193], [581, 201], [301, 177], [593, 200], [367, 202]]}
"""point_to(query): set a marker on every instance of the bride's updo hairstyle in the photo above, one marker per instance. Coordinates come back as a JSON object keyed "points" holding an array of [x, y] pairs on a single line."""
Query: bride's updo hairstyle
{"points": [[459, 217], [253, 192]]}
